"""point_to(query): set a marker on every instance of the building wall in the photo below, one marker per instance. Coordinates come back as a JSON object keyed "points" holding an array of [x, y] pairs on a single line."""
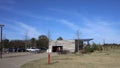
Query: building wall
{"points": [[67, 44], [78, 45]]}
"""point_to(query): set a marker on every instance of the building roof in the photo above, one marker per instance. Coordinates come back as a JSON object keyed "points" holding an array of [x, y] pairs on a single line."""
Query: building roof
{"points": [[84, 39]]}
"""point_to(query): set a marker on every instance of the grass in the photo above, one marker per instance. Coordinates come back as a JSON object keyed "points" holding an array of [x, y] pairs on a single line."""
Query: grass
{"points": [[98, 59]]}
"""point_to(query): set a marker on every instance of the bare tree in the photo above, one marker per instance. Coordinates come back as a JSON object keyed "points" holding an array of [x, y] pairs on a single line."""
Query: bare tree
{"points": [[26, 40], [78, 38], [104, 41]]}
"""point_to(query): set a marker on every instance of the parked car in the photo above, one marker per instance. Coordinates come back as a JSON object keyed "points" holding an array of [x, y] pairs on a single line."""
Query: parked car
{"points": [[5, 50], [36, 50], [12, 50], [21, 49], [43, 49]]}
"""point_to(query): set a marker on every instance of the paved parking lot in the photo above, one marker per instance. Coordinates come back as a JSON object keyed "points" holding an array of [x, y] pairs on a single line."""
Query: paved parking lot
{"points": [[15, 60]]}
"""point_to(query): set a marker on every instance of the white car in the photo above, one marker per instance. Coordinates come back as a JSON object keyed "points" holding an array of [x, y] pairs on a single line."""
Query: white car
{"points": [[33, 50]]}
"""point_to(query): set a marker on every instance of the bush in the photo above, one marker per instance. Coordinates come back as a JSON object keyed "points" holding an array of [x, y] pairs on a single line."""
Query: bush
{"points": [[88, 48], [97, 47], [65, 51], [91, 48], [82, 51]]}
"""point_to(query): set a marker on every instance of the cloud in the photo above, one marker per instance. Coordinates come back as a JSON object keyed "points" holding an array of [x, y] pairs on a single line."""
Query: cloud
{"points": [[99, 30], [68, 12], [71, 25], [32, 31], [25, 13], [18, 30]]}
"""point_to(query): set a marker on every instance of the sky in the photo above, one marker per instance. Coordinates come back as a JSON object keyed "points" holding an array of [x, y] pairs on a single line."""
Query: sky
{"points": [[97, 19]]}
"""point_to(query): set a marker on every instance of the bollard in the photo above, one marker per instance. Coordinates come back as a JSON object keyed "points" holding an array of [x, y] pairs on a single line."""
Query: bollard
{"points": [[49, 52], [48, 58]]}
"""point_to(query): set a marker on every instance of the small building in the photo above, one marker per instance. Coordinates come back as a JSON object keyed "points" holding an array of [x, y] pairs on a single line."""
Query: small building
{"points": [[71, 45]]}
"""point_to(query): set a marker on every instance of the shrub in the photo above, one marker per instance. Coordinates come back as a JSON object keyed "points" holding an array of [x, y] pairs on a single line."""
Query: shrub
{"points": [[91, 48], [82, 51], [65, 51], [88, 48], [97, 47]]}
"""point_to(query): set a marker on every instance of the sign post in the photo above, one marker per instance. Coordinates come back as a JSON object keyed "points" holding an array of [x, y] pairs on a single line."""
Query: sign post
{"points": [[49, 51]]}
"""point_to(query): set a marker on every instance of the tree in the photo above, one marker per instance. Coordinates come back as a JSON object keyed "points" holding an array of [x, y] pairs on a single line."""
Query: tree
{"points": [[17, 44], [78, 37], [26, 40], [6, 43], [59, 38], [43, 41], [33, 42]]}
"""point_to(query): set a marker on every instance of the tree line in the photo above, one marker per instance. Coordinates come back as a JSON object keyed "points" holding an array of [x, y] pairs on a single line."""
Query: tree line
{"points": [[42, 41], [103, 47]]}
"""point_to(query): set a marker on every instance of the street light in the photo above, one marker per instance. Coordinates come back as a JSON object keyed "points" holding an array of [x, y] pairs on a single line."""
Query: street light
{"points": [[1, 40]]}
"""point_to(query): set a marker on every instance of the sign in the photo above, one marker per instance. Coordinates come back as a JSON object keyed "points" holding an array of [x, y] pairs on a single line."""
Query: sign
{"points": [[49, 50]]}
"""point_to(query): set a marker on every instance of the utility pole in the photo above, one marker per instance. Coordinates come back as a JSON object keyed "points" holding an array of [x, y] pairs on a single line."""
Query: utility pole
{"points": [[1, 40]]}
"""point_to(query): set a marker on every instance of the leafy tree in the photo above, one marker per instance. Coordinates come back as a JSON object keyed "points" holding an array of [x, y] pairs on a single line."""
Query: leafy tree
{"points": [[43, 41], [59, 38], [6, 43], [33, 42], [17, 44]]}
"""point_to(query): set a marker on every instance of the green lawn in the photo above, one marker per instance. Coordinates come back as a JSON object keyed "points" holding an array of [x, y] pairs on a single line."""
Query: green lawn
{"points": [[103, 59]]}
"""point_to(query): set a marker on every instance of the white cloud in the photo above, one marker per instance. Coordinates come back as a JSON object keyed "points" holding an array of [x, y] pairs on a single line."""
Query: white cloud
{"points": [[98, 30], [18, 30], [32, 31], [25, 13], [65, 12], [71, 25]]}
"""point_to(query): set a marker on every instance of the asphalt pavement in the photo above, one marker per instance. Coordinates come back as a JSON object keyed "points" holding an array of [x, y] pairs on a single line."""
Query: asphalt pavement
{"points": [[15, 60]]}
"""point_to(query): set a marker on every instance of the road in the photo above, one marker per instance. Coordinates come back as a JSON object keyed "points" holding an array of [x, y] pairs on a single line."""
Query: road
{"points": [[15, 60]]}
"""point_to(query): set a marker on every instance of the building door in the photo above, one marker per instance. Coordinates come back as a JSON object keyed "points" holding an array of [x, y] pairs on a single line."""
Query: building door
{"points": [[54, 48]]}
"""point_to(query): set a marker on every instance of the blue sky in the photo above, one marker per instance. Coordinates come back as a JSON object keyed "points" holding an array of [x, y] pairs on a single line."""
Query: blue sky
{"points": [[97, 19]]}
